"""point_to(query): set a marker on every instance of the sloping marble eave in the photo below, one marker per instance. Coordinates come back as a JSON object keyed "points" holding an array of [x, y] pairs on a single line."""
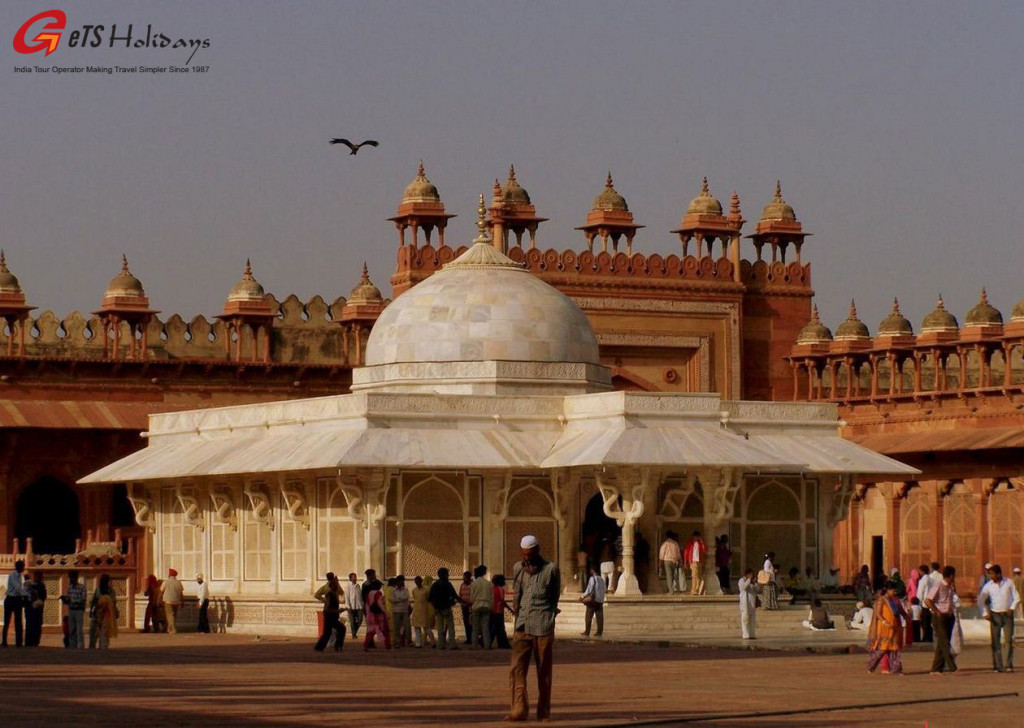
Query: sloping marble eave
{"points": [[833, 454], [325, 451], [676, 447]]}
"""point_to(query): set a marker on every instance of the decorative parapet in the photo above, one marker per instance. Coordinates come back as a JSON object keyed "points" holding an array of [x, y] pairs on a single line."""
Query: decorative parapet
{"points": [[306, 332]]}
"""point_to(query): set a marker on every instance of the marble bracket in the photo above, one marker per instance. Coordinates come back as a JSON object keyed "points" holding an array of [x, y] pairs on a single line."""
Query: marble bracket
{"points": [[224, 510], [295, 502], [262, 510], [190, 507], [142, 505]]}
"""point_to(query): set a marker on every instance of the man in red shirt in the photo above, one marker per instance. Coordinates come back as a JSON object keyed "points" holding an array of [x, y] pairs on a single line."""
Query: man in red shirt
{"points": [[693, 556]]}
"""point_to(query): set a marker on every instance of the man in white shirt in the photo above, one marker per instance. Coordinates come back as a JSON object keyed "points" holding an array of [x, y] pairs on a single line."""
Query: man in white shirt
{"points": [[748, 604], [593, 598], [862, 617], [830, 582], [997, 601], [670, 557], [929, 579], [354, 604], [203, 594], [173, 594]]}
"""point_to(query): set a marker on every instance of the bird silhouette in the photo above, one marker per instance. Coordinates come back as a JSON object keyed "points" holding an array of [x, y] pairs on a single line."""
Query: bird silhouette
{"points": [[355, 147]]}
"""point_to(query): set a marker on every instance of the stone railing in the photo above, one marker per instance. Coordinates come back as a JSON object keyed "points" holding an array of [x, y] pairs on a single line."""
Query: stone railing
{"points": [[90, 561]]}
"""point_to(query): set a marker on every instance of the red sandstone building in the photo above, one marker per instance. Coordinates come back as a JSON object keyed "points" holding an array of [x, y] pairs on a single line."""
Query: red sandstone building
{"points": [[75, 391]]}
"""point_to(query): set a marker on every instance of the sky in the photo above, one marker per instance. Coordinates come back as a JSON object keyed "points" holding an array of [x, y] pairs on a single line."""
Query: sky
{"points": [[895, 129]]}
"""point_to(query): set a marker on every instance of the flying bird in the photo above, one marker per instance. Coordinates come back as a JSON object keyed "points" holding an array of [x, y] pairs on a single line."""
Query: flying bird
{"points": [[355, 147]]}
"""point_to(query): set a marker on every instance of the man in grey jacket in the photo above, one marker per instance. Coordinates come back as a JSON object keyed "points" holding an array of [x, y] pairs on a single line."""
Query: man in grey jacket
{"points": [[537, 585]]}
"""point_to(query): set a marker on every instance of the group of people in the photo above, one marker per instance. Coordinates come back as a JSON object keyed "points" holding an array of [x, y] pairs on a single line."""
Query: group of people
{"points": [[164, 600], [924, 608], [395, 615], [392, 613], [675, 560], [26, 596]]}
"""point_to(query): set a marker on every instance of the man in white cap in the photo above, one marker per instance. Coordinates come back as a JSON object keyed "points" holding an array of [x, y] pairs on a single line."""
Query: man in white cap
{"points": [[204, 604], [537, 585]]}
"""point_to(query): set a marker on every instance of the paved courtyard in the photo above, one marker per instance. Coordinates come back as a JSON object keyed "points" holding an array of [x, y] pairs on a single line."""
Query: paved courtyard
{"points": [[234, 680]]}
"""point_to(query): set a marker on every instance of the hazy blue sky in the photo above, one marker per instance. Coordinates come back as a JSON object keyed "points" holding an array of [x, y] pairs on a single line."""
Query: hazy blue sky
{"points": [[894, 127]]}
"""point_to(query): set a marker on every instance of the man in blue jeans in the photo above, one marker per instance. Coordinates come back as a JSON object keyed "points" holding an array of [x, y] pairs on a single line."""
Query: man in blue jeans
{"points": [[14, 603]]}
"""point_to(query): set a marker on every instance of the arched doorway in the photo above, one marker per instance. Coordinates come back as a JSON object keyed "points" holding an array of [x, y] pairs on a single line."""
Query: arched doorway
{"points": [[47, 512], [597, 526]]}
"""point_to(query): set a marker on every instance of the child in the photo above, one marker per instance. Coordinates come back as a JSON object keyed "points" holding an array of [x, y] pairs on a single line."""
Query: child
{"points": [[915, 618]]}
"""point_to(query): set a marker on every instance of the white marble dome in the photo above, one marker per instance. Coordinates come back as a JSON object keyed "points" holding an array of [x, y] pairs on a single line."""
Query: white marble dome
{"points": [[482, 307]]}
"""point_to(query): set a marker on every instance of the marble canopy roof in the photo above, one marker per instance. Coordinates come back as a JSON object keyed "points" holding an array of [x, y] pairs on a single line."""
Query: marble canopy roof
{"points": [[481, 432]]}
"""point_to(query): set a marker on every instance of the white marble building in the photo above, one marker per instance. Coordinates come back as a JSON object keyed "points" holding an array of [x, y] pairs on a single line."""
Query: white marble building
{"points": [[483, 413]]}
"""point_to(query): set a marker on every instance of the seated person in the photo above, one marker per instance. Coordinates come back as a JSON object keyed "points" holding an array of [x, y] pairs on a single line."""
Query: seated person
{"points": [[830, 584], [862, 617], [817, 618], [811, 582], [796, 585]]}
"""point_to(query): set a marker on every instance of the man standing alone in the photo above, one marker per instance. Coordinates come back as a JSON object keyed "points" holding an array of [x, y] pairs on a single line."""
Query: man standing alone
{"points": [[203, 593], [941, 603], [537, 584], [670, 557], [748, 604], [354, 604], [998, 601], [173, 593]]}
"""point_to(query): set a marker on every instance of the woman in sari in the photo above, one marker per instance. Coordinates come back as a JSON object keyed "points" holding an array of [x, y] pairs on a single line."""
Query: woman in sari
{"points": [[887, 635], [106, 612], [376, 616]]}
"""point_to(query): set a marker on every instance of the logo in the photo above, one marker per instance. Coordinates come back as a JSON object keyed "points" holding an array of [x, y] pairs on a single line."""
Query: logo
{"points": [[43, 41]]}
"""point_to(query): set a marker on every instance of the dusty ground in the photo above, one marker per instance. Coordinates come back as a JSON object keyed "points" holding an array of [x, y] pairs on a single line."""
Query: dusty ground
{"points": [[231, 680]]}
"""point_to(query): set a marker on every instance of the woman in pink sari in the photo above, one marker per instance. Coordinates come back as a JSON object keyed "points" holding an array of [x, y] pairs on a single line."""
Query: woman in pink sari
{"points": [[376, 616]]}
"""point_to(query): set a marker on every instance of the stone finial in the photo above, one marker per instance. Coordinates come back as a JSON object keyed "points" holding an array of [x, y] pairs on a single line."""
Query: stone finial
{"points": [[421, 172], [734, 206], [511, 173], [778, 191], [608, 181], [705, 191], [124, 263], [497, 190], [365, 277]]}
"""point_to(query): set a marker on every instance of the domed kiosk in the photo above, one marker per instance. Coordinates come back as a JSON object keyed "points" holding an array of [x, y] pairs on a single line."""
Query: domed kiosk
{"points": [[483, 325], [483, 414]]}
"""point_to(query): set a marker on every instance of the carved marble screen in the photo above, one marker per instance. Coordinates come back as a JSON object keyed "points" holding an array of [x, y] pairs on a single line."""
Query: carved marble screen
{"points": [[433, 521], [530, 510]]}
